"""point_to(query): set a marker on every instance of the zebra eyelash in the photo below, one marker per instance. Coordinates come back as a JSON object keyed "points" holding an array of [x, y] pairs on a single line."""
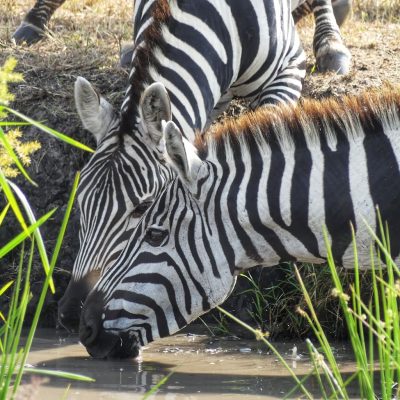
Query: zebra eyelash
{"points": [[156, 236]]}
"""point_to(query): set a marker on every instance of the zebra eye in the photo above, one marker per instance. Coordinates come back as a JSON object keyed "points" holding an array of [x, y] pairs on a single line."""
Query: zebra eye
{"points": [[155, 236], [140, 209]]}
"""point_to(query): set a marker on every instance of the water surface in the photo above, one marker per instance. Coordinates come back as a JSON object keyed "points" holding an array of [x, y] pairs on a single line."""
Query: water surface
{"points": [[203, 368]]}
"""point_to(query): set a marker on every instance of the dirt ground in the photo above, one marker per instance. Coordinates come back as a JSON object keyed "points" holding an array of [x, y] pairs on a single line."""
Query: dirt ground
{"points": [[86, 38]]}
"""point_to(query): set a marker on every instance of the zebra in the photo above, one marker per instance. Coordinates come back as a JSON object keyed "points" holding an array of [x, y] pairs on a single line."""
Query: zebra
{"points": [[202, 68], [329, 50], [341, 9], [255, 191]]}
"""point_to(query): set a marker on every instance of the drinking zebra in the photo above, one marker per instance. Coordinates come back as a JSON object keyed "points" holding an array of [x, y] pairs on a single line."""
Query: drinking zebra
{"points": [[329, 50], [255, 191], [202, 68]]}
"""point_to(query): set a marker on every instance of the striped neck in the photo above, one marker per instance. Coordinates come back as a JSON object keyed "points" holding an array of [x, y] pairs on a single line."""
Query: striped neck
{"points": [[181, 57], [281, 177]]}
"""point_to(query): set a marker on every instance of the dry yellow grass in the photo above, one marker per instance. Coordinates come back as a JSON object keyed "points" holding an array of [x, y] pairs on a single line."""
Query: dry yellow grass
{"points": [[383, 10]]}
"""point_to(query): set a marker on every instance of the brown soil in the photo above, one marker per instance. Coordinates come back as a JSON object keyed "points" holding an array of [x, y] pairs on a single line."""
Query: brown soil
{"points": [[86, 40]]}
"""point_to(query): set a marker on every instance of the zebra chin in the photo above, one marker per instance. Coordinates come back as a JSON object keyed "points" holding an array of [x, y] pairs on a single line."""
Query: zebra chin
{"points": [[100, 343], [110, 345]]}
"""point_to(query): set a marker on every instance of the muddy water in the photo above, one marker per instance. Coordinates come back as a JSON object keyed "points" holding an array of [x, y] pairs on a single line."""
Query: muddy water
{"points": [[202, 368]]}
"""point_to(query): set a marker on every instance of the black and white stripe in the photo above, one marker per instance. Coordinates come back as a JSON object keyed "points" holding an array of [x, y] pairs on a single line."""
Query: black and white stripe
{"points": [[330, 52], [259, 193], [32, 28], [204, 55]]}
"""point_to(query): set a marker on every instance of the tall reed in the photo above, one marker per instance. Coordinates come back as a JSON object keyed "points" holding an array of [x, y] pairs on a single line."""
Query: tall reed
{"points": [[13, 353]]}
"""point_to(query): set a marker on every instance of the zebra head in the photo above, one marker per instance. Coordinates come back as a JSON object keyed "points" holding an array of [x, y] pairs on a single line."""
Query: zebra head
{"points": [[117, 185], [172, 269]]}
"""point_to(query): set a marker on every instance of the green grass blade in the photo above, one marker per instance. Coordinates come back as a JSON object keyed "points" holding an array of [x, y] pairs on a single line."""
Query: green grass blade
{"points": [[36, 232], [23, 235], [5, 287], [260, 336], [12, 200], [316, 370], [321, 336], [382, 247], [157, 386], [11, 355], [65, 394], [59, 374], [64, 224], [46, 284], [303, 380], [50, 131], [4, 213], [13, 123], [14, 157]]}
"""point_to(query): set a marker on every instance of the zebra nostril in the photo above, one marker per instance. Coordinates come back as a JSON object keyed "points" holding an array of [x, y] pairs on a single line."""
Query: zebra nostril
{"points": [[88, 332]]}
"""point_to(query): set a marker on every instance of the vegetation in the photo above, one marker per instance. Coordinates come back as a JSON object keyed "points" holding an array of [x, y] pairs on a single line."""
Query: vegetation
{"points": [[383, 10], [373, 326], [272, 307], [13, 155]]}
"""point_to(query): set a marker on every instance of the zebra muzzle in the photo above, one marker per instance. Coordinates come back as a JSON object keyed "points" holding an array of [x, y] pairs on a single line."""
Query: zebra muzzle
{"points": [[100, 343]]}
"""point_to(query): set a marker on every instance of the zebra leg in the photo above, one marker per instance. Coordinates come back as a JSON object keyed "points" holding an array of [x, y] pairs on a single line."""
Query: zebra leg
{"points": [[330, 52], [341, 10], [32, 28], [301, 11], [287, 85]]}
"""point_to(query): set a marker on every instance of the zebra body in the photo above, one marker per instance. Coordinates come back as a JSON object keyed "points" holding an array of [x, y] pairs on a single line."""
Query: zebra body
{"points": [[330, 52], [257, 191], [202, 64]]}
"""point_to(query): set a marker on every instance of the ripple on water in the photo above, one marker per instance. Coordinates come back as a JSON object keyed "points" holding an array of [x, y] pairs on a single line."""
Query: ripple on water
{"points": [[202, 368]]}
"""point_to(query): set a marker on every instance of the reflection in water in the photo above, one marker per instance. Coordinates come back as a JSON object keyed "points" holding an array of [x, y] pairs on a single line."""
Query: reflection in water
{"points": [[203, 368]]}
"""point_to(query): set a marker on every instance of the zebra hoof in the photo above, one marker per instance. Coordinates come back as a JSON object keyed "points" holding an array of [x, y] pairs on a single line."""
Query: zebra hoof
{"points": [[334, 58], [28, 33], [126, 56]]}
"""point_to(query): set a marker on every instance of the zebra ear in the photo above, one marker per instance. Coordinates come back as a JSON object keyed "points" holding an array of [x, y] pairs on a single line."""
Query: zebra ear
{"points": [[95, 112], [181, 152], [155, 107]]}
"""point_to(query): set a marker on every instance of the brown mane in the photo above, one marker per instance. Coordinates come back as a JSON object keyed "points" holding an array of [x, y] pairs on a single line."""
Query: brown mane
{"points": [[144, 59], [369, 108]]}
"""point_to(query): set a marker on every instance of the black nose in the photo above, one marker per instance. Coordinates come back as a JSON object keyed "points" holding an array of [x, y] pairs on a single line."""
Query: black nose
{"points": [[70, 305], [88, 331], [69, 312], [91, 319]]}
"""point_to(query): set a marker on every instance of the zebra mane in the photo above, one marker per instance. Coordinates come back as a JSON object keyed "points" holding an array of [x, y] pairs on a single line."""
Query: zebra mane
{"points": [[352, 115], [142, 60]]}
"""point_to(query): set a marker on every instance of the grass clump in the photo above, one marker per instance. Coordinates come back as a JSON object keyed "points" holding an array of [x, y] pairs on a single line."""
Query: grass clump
{"points": [[13, 152], [267, 299], [382, 10], [13, 155], [373, 328], [23, 150]]}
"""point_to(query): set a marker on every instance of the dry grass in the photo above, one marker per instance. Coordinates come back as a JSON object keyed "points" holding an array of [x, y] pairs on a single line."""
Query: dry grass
{"points": [[382, 10], [85, 39]]}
